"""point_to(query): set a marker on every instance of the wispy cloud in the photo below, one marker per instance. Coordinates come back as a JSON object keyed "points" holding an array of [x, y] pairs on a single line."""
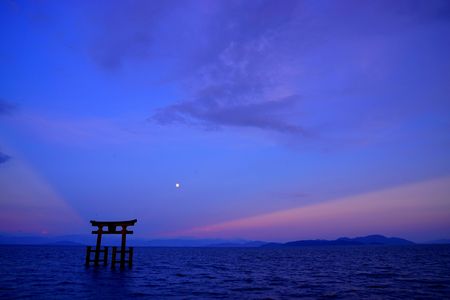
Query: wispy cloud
{"points": [[269, 55], [124, 32], [4, 158], [6, 107], [240, 80], [236, 62], [210, 114], [80, 131]]}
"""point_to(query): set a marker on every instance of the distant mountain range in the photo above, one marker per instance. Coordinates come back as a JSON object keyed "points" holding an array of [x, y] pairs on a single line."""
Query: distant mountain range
{"points": [[81, 240], [344, 241], [114, 240]]}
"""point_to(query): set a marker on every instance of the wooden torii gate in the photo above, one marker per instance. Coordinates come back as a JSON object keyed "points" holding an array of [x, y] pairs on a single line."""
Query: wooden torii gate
{"points": [[111, 229]]}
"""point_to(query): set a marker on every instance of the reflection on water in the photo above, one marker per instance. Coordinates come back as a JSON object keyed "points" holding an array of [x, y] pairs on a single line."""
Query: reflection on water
{"points": [[335, 272]]}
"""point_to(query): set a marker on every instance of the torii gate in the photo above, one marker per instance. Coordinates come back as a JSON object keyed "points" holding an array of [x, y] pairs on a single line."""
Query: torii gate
{"points": [[111, 225]]}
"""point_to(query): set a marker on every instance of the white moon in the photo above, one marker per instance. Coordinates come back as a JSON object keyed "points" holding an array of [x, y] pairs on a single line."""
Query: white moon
{"points": [[177, 185]]}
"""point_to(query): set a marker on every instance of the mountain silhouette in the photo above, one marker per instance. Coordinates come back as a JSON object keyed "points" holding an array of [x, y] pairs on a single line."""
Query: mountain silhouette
{"points": [[375, 239]]}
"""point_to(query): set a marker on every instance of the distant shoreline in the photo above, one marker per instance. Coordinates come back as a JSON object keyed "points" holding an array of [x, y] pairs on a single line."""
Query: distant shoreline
{"points": [[85, 240]]}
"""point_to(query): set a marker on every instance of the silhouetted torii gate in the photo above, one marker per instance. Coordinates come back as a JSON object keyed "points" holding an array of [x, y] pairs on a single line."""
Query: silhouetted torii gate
{"points": [[111, 229]]}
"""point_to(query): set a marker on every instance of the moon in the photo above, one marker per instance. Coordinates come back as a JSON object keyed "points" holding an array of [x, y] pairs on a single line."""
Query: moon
{"points": [[177, 185]]}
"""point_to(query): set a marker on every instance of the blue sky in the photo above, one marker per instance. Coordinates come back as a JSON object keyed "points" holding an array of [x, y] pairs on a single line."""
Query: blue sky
{"points": [[256, 108]]}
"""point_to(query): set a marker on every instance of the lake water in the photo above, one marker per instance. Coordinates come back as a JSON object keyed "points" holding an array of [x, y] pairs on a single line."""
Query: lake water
{"points": [[375, 272]]}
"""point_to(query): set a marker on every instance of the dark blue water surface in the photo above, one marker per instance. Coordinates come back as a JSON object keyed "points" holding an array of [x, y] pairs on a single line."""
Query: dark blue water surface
{"points": [[376, 272]]}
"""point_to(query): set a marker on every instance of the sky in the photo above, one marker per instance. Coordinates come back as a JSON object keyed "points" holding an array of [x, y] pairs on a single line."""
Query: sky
{"points": [[280, 120]]}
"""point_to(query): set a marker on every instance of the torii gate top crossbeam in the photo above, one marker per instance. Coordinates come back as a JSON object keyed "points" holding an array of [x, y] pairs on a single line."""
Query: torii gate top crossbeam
{"points": [[112, 226]]}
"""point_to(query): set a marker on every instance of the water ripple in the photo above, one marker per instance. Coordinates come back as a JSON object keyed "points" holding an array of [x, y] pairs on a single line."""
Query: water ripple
{"points": [[189, 273]]}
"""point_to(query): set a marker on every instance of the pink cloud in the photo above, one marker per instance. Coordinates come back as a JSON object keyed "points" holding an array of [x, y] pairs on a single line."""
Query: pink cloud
{"points": [[29, 204], [415, 211]]}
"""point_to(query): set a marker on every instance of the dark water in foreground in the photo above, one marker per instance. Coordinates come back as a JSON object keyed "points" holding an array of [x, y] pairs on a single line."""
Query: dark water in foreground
{"points": [[329, 272]]}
